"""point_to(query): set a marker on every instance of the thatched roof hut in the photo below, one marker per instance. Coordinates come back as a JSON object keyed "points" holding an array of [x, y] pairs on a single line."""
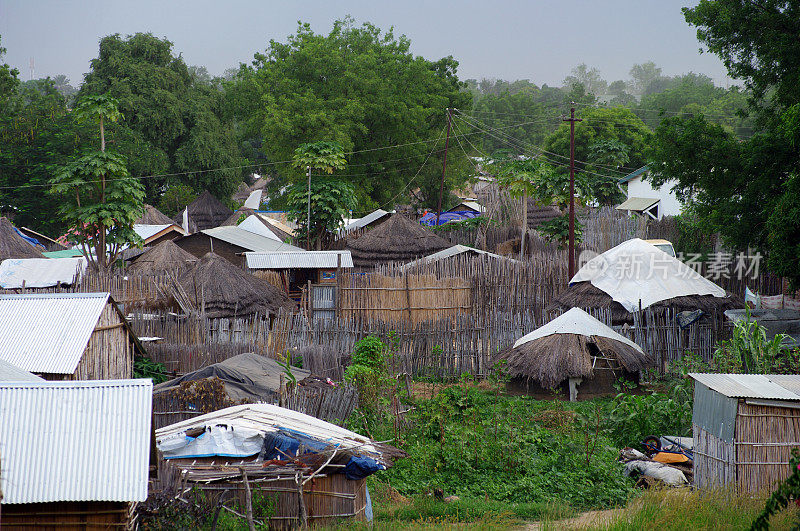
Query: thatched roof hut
{"points": [[153, 216], [396, 240], [241, 194], [538, 214], [162, 258], [574, 345], [224, 290], [12, 245], [636, 274], [205, 212]]}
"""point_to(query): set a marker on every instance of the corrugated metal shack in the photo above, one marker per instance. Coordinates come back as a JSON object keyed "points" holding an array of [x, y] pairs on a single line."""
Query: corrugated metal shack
{"points": [[67, 336], [745, 427], [293, 271], [74, 454], [272, 454]]}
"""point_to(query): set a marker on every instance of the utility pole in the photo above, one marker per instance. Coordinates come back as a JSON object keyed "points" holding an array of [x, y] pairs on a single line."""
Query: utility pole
{"points": [[444, 166], [572, 121], [308, 213]]}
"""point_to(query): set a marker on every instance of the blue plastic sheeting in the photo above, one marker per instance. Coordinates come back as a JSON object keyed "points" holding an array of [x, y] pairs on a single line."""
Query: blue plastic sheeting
{"points": [[361, 467], [283, 443], [368, 507], [32, 241], [429, 219]]}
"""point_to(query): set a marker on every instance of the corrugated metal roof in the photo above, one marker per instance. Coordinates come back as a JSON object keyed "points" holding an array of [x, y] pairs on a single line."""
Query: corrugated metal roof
{"points": [[75, 441], [150, 232], [638, 204], [366, 220], [12, 373], [453, 251], [634, 174], [764, 386], [248, 240], [298, 260], [48, 332]]}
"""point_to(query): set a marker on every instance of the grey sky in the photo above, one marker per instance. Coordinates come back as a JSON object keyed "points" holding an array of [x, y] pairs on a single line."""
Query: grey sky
{"points": [[536, 39]]}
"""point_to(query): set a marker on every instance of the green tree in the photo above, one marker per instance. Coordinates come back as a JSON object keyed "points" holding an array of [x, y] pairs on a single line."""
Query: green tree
{"points": [[590, 78], [642, 75], [689, 89], [100, 199], [364, 89], [174, 118], [332, 199]]}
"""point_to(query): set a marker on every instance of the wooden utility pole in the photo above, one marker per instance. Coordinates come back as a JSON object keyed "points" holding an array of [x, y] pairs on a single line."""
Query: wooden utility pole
{"points": [[308, 213], [444, 166], [572, 121]]}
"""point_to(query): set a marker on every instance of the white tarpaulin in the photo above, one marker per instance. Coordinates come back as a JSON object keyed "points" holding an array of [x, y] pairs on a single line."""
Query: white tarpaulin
{"points": [[254, 200], [221, 440], [575, 321], [39, 272], [635, 271]]}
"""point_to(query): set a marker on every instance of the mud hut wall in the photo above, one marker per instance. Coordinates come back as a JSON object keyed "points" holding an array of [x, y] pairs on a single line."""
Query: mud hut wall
{"points": [[198, 244], [67, 515], [765, 437], [109, 353]]}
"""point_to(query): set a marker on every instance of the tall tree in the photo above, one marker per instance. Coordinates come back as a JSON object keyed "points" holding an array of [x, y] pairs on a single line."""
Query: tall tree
{"points": [[364, 89], [590, 78], [174, 118]]}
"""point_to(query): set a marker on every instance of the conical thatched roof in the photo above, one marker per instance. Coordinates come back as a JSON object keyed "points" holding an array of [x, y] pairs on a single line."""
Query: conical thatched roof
{"points": [[538, 214], [566, 347], [161, 258], [205, 212], [229, 291], [397, 239], [12, 245], [153, 216], [241, 194]]}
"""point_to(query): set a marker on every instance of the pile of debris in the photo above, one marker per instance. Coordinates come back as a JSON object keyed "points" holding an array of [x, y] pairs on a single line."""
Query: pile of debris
{"points": [[666, 460]]}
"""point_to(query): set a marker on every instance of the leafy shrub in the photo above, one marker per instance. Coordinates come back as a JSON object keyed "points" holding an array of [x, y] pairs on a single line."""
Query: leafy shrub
{"points": [[147, 368], [631, 418], [369, 374]]}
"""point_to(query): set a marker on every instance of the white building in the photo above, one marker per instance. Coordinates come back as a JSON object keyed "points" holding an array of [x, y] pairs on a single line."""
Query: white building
{"points": [[643, 199]]}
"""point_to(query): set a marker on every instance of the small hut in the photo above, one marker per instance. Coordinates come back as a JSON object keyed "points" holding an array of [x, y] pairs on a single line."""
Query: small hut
{"points": [[13, 245], [636, 275], [576, 353], [538, 214], [241, 194], [75, 454], [745, 427], [244, 214], [220, 289], [162, 258], [153, 216], [67, 336], [279, 450], [205, 212], [396, 240]]}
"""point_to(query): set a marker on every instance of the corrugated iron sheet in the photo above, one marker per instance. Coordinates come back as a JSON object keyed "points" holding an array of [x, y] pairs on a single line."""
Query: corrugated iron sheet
{"points": [[298, 260], [248, 240], [75, 441], [366, 220], [47, 333], [451, 252], [714, 412], [751, 385]]}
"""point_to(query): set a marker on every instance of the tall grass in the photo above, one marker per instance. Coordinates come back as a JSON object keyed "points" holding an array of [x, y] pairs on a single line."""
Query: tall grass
{"points": [[682, 509]]}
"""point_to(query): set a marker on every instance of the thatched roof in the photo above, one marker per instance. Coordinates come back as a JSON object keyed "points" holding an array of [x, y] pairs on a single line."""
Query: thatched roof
{"points": [[163, 257], [228, 291], [241, 194], [12, 245], [153, 216], [397, 239], [566, 347], [205, 212], [538, 214], [585, 295]]}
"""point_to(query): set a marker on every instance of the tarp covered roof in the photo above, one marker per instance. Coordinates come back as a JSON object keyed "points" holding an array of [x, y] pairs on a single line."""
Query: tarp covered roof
{"points": [[637, 272], [576, 321], [40, 272]]}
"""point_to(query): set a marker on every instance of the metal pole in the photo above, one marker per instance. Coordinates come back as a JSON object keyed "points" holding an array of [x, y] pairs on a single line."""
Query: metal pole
{"points": [[308, 214], [572, 121], [444, 167]]}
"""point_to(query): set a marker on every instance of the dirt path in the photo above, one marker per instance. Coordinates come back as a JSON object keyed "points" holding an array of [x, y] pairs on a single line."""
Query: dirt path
{"points": [[589, 518]]}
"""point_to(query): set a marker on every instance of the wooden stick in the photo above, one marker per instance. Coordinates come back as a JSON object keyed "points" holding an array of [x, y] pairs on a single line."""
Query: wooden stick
{"points": [[248, 500]]}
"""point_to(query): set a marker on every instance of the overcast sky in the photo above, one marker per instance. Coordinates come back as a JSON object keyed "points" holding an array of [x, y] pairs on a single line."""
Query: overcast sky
{"points": [[540, 40]]}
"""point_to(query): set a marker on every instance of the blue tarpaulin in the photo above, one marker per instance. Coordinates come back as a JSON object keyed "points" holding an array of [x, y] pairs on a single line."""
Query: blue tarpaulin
{"points": [[361, 467], [32, 241], [429, 219]]}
